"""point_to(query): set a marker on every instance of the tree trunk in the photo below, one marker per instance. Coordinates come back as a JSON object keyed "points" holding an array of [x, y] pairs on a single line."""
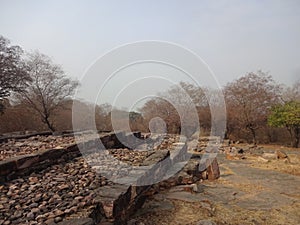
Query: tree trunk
{"points": [[50, 126], [296, 142], [297, 137], [291, 135], [253, 135]]}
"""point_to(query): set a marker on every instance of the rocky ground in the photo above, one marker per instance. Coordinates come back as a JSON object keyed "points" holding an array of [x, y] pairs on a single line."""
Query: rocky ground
{"points": [[130, 157], [14, 148], [61, 191], [17, 147], [49, 195], [244, 194], [255, 187]]}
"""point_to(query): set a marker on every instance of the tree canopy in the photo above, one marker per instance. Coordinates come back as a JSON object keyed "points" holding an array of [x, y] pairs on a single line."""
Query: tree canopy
{"points": [[48, 88], [287, 115], [249, 100], [13, 72]]}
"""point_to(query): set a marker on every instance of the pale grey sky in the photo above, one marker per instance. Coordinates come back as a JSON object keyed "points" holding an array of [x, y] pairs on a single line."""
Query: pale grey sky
{"points": [[232, 37]]}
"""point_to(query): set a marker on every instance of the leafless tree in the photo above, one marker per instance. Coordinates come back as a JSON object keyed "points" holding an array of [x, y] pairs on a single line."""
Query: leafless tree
{"points": [[292, 93], [249, 100], [48, 88], [177, 107], [102, 117], [13, 74], [185, 98], [161, 108]]}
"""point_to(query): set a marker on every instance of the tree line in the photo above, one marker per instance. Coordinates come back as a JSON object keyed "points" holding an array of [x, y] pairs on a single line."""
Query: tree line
{"points": [[36, 94]]}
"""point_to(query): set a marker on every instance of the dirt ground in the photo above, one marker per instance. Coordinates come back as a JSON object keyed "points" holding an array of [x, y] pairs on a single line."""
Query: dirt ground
{"points": [[291, 167], [248, 192]]}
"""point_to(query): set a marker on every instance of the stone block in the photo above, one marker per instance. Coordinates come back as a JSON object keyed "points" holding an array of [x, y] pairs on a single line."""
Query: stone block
{"points": [[51, 154], [7, 166], [213, 171], [27, 161]]}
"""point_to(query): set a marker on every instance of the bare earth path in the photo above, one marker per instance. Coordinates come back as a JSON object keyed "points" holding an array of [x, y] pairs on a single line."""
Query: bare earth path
{"points": [[243, 195]]}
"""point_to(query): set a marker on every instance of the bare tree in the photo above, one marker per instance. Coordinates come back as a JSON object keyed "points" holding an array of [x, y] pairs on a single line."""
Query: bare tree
{"points": [[19, 118], [177, 107], [249, 100], [13, 74], [292, 93], [102, 117], [185, 98], [48, 88], [197, 94], [163, 109]]}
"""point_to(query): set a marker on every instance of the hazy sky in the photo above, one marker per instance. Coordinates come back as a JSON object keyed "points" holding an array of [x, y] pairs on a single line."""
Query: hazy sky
{"points": [[232, 37]]}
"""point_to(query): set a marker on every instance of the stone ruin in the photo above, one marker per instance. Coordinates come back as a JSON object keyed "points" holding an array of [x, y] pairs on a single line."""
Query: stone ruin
{"points": [[44, 179]]}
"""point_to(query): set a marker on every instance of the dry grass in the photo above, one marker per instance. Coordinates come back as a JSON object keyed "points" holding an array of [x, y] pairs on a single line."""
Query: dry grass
{"points": [[189, 213], [292, 167], [186, 213]]}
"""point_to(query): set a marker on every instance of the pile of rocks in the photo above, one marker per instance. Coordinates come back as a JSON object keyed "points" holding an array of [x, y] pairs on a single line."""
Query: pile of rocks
{"points": [[167, 142], [276, 155], [132, 157], [73, 190], [203, 142], [70, 187], [50, 195], [13, 147]]}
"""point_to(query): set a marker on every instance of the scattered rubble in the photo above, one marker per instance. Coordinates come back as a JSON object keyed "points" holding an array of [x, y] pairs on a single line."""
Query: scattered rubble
{"points": [[13, 148], [45, 180], [51, 194]]}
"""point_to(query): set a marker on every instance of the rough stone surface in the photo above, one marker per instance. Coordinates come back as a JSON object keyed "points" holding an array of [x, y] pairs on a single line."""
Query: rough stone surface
{"points": [[205, 222], [281, 154], [213, 171], [44, 179]]}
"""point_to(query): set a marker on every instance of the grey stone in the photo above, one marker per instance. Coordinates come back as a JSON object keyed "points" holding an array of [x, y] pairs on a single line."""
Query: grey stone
{"points": [[205, 222], [57, 219], [269, 156]]}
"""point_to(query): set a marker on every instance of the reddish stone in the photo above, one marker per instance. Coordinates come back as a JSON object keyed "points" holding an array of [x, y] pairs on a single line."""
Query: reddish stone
{"points": [[213, 171]]}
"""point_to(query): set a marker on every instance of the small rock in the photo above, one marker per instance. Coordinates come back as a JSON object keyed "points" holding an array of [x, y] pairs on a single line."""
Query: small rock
{"points": [[35, 210], [33, 179], [281, 154], [40, 218], [205, 222], [30, 215], [269, 156], [49, 221], [58, 212], [197, 188], [57, 219], [261, 159], [78, 198], [33, 205], [213, 171], [17, 215], [63, 187]]}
